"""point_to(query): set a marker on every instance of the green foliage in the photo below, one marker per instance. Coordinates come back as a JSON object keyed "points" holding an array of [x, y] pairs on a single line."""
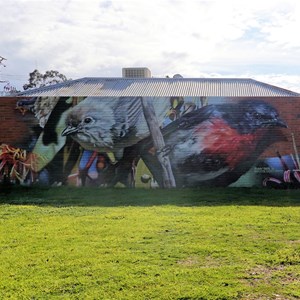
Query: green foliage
{"points": [[37, 79], [65, 243]]}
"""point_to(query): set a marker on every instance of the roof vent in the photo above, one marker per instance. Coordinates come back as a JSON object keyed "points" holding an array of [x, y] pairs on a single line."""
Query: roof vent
{"points": [[136, 72], [177, 76]]}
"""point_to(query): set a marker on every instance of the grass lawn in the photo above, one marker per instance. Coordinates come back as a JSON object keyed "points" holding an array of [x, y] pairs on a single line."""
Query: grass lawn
{"points": [[68, 243]]}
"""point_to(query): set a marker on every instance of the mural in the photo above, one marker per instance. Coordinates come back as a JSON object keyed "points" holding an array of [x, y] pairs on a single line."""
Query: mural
{"points": [[106, 142]]}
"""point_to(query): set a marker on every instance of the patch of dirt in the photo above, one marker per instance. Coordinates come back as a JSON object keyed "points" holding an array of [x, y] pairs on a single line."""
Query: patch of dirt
{"points": [[273, 297], [190, 261], [264, 275]]}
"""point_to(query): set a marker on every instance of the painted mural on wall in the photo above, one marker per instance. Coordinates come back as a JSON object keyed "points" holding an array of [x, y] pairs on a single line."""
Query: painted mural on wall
{"points": [[106, 141]]}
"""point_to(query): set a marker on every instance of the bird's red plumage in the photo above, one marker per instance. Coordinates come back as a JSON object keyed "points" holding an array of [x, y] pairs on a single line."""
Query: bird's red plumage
{"points": [[224, 141]]}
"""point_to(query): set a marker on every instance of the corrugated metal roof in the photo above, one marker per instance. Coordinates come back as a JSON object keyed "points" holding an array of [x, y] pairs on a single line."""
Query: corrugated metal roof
{"points": [[161, 87]]}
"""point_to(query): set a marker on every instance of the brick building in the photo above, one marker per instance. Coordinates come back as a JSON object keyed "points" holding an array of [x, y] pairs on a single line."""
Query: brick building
{"points": [[34, 120]]}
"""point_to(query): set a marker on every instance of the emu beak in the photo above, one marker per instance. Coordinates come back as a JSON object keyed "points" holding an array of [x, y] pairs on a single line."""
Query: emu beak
{"points": [[69, 130]]}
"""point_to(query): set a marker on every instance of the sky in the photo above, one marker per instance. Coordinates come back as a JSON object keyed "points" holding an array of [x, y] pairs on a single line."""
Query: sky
{"points": [[256, 39]]}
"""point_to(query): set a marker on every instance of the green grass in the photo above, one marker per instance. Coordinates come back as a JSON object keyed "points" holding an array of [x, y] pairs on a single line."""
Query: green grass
{"points": [[68, 243]]}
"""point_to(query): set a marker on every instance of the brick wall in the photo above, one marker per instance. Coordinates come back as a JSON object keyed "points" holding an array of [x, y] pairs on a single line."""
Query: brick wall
{"points": [[15, 127], [289, 111]]}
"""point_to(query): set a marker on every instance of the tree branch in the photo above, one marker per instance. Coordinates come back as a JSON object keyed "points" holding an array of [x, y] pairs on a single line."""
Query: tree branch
{"points": [[159, 143]]}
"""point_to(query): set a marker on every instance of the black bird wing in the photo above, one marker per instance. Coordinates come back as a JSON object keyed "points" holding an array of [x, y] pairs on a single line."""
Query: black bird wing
{"points": [[50, 135], [185, 122], [190, 119]]}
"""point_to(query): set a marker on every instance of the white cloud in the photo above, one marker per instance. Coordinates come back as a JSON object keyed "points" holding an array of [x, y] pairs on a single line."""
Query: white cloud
{"points": [[97, 38]]}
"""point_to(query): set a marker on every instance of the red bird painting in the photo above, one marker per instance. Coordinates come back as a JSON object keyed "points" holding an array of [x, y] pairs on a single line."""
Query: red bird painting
{"points": [[215, 145]]}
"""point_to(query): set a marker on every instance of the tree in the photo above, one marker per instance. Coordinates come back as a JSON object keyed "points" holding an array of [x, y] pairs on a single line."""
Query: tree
{"points": [[37, 79]]}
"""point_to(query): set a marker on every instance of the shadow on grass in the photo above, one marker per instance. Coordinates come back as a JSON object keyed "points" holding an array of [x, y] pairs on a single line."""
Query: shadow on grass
{"points": [[71, 196]]}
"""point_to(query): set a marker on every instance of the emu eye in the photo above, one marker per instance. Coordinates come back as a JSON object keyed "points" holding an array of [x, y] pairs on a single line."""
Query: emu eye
{"points": [[87, 120]]}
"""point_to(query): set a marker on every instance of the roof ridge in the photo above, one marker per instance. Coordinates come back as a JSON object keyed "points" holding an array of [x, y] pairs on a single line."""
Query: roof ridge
{"points": [[274, 86]]}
